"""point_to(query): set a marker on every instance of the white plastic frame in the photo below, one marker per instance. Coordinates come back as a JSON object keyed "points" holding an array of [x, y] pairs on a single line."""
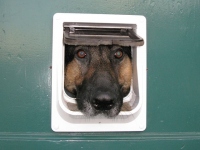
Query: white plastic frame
{"points": [[64, 120]]}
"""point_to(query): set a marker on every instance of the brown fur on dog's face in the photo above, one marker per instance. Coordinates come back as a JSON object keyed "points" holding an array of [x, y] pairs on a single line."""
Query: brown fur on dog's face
{"points": [[99, 77]]}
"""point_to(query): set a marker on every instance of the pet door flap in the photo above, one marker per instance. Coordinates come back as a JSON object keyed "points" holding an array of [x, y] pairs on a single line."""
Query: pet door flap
{"points": [[101, 34]]}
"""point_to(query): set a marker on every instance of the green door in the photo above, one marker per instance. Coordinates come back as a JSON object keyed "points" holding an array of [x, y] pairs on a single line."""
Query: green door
{"points": [[173, 99]]}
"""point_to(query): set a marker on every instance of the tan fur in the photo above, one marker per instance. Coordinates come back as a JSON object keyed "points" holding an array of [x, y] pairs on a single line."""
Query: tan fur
{"points": [[125, 73], [73, 76]]}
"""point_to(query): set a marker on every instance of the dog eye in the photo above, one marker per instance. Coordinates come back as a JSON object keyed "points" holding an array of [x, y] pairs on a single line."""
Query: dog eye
{"points": [[81, 54], [118, 54]]}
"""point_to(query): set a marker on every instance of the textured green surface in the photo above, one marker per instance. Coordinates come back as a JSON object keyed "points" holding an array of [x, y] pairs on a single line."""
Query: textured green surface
{"points": [[173, 120]]}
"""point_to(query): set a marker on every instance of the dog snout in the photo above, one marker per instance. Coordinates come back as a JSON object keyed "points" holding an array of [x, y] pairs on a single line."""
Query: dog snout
{"points": [[103, 101]]}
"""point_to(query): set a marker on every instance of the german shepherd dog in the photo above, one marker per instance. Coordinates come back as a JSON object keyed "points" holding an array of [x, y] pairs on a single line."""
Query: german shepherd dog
{"points": [[98, 77]]}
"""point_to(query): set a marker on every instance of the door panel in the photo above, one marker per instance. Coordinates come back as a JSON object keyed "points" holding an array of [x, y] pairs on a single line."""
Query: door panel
{"points": [[173, 33]]}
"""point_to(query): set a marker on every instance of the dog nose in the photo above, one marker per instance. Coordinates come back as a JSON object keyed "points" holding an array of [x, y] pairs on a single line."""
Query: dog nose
{"points": [[103, 102]]}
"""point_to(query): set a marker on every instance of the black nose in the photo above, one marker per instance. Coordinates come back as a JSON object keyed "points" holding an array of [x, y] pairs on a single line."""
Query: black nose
{"points": [[103, 101]]}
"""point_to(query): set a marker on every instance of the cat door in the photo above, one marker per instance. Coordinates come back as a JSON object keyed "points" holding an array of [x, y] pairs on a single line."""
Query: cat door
{"points": [[92, 29]]}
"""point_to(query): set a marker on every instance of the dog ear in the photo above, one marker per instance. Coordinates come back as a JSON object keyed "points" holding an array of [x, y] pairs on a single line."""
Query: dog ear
{"points": [[69, 53]]}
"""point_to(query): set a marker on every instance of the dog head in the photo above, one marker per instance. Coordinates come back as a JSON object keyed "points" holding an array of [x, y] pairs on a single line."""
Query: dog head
{"points": [[99, 77]]}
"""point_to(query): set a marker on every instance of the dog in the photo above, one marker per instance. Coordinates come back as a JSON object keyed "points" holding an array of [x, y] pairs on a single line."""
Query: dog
{"points": [[98, 77]]}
